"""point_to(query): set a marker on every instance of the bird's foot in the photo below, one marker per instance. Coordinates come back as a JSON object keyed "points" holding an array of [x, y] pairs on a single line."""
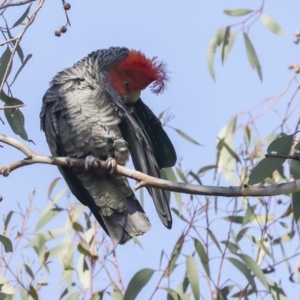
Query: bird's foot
{"points": [[89, 161], [111, 164], [121, 152]]}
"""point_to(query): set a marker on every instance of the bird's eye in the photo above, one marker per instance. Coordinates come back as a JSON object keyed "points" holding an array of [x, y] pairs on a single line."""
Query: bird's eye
{"points": [[126, 85]]}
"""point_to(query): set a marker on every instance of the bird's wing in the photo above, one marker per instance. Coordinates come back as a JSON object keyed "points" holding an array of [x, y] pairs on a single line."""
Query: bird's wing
{"points": [[141, 129], [123, 217], [49, 124], [163, 148]]}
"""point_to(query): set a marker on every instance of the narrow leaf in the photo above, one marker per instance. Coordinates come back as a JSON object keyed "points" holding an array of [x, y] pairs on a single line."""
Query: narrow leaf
{"points": [[186, 137], [16, 120], [9, 100], [4, 64], [252, 57], [22, 18], [296, 205], [7, 220], [193, 275], [225, 42], [230, 43], [272, 25], [214, 43], [222, 144], [22, 66], [52, 186], [244, 270], [137, 282], [203, 256], [237, 12], [255, 269], [29, 271], [6, 243]]}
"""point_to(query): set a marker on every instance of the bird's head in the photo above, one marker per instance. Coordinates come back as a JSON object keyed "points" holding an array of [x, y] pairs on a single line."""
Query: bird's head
{"points": [[134, 73]]}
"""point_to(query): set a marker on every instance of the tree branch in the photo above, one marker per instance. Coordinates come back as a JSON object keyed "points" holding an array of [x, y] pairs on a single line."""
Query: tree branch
{"points": [[12, 106], [143, 179], [16, 3]]}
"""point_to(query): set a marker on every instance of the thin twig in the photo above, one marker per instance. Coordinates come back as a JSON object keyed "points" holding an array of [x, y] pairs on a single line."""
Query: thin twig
{"points": [[12, 106], [18, 40], [16, 3]]}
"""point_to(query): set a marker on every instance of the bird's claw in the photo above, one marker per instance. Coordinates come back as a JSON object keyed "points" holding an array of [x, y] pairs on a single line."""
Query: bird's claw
{"points": [[89, 161], [111, 164]]}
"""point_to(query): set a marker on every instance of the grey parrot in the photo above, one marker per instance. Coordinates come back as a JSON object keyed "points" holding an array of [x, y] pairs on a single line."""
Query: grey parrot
{"points": [[94, 111]]}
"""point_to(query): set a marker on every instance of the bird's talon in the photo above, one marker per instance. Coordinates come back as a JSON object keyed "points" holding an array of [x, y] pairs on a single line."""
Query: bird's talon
{"points": [[89, 161], [111, 164]]}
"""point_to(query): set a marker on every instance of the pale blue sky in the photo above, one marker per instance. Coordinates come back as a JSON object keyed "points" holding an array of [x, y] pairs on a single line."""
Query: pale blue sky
{"points": [[178, 32]]}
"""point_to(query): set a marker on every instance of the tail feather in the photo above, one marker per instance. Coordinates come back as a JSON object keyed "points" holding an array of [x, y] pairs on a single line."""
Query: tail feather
{"points": [[132, 222]]}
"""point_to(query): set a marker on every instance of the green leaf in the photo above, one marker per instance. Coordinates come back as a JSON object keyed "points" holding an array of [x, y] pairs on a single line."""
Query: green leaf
{"points": [[277, 291], [22, 66], [214, 239], [10, 100], [295, 168], [116, 295], [272, 25], [238, 12], [193, 275], [244, 270], [33, 293], [281, 145], [228, 47], [23, 17], [176, 211], [137, 282], [47, 236], [48, 213], [252, 265], [296, 205], [222, 144], [225, 291], [7, 220], [195, 176], [252, 57], [203, 256], [181, 175], [77, 227], [84, 273], [225, 42], [74, 296], [170, 175], [235, 219], [84, 248], [23, 293], [214, 43], [207, 168], [4, 64], [264, 169], [16, 120], [172, 295], [241, 233], [29, 271], [174, 256], [186, 137], [52, 186], [6, 243]]}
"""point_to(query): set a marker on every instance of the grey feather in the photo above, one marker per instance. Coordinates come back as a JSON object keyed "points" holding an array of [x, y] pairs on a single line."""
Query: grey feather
{"points": [[82, 115]]}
